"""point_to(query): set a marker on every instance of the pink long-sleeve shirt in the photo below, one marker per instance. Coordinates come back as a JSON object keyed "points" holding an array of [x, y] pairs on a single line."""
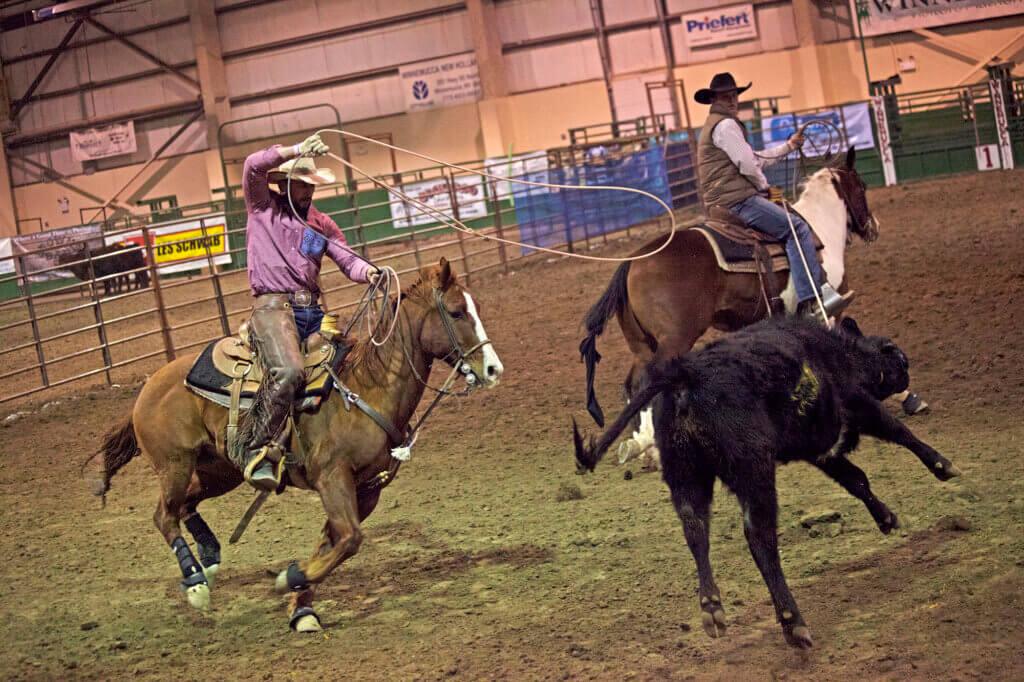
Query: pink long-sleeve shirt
{"points": [[274, 235]]}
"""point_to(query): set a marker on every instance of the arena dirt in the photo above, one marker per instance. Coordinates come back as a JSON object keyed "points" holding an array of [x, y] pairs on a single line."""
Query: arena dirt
{"points": [[476, 566]]}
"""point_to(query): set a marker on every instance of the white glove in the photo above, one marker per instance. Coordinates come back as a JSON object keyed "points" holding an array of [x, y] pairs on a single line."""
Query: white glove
{"points": [[311, 146]]}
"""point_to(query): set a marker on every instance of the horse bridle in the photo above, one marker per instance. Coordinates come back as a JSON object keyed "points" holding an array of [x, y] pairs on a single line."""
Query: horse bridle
{"points": [[448, 322], [851, 220]]}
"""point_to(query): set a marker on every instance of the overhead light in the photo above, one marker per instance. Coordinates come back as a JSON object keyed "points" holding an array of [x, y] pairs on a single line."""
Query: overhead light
{"points": [[65, 7]]}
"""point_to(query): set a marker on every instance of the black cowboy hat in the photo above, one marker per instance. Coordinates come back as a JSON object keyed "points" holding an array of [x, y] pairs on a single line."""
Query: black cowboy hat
{"points": [[722, 82]]}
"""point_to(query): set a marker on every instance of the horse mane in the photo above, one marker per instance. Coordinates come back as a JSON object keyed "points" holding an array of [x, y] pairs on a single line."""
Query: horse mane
{"points": [[367, 361], [817, 181]]}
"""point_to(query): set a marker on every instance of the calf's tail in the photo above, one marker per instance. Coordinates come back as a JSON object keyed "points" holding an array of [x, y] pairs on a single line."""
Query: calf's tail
{"points": [[118, 448], [675, 374], [614, 299]]}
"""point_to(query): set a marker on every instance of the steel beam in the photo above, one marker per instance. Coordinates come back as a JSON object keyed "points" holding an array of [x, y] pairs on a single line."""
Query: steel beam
{"points": [[597, 14], [50, 175], [145, 53], [26, 98], [148, 114]]}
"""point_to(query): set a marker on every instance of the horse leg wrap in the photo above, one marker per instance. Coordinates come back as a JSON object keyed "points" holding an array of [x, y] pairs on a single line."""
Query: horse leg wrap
{"points": [[190, 569], [206, 541], [297, 581], [301, 612]]}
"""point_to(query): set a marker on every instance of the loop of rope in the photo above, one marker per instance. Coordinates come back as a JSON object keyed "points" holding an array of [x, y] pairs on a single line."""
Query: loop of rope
{"points": [[456, 224]]}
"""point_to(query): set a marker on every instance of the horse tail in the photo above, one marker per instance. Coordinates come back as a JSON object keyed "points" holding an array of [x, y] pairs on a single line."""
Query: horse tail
{"points": [[119, 447], [676, 373], [614, 299]]}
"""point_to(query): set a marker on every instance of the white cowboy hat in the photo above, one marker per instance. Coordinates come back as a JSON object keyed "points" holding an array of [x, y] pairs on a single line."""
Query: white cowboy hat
{"points": [[302, 170]]}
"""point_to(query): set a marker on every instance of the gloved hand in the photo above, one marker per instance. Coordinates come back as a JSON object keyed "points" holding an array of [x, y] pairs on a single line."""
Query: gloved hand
{"points": [[312, 146], [796, 140], [773, 194], [374, 276]]}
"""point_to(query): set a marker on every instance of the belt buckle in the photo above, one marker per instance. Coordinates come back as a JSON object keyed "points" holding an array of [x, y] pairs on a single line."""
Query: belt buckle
{"points": [[302, 298]]}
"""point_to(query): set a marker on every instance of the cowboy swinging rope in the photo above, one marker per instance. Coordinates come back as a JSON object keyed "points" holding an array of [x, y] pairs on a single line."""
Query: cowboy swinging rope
{"points": [[831, 129]]}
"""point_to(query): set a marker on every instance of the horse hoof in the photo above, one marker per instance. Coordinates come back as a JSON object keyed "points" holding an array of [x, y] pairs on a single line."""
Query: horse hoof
{"points": [[304, 619], [199, 596], [714, 623], [913, 404], [801, 637], [281, 582], [211, 574]]}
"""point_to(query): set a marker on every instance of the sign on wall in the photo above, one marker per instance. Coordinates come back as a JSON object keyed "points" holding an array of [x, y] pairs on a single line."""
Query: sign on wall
{"points": [[6, 263], [469, 192], [988, 157], [854, 118], [719, 25], [440, 82], [182, 246], [878, 17], [532, 167], [99, 143]]}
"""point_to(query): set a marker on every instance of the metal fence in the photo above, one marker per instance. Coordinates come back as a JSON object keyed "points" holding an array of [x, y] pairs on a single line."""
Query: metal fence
{"points": [[56, 332]]}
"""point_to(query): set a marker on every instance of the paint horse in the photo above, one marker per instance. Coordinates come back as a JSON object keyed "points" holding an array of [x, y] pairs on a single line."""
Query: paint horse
{"points": [[666, 302], [346, 451]]}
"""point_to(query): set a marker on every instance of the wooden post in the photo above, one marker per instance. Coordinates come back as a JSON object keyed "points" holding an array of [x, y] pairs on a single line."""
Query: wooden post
{"points": [[165, 328], [498, 227], [453, 197], [35, 323], [97, 313], [215, 276]]}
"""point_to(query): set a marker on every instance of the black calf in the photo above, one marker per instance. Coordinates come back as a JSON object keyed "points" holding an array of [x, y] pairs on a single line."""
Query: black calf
{"points": [[772, 393]]}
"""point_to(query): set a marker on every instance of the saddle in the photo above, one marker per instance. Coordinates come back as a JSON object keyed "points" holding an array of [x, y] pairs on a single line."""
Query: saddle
{"points": [[231, 359], [740, 248]]}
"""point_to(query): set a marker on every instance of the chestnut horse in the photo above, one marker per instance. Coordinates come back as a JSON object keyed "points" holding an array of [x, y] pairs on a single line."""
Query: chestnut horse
{"points": [[666, 302], [183, 436]]}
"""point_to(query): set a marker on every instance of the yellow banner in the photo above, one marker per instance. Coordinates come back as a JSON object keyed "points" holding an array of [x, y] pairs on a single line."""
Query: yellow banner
{"points": [[176, 246]]}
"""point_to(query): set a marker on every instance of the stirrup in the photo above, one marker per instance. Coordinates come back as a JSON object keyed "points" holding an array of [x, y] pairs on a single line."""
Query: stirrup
{"points": [[834, 302], [254, 475]]}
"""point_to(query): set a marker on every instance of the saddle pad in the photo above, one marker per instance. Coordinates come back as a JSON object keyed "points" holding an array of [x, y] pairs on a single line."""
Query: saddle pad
{"points": [[207, 380], [733, 256]]}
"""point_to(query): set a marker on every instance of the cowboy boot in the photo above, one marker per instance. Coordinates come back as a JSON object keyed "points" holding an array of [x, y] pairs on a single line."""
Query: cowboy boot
{"points": [[834, 302]]}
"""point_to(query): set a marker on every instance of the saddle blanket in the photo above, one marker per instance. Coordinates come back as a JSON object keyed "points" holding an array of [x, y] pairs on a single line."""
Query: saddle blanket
{"points": [[734, 256], [208, 379]]}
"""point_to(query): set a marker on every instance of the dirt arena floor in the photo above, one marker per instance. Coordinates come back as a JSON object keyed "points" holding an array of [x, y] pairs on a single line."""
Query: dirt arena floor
{"points": [[477, 566]]}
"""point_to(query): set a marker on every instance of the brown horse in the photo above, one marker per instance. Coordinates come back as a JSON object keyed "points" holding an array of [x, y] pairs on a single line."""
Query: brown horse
{"points": [[183, 436], [666, 302]]}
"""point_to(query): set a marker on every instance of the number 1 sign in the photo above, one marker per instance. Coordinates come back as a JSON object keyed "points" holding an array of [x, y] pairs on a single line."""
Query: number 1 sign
{"points": [[988, 157]]}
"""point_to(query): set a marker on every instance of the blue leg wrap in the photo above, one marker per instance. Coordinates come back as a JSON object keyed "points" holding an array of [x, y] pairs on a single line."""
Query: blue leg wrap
{"points": [[190, 569], [206, 541]]}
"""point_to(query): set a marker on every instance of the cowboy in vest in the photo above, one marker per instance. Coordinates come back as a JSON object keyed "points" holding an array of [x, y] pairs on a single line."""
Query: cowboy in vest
{"points": [[731, 177], [284, 269]]}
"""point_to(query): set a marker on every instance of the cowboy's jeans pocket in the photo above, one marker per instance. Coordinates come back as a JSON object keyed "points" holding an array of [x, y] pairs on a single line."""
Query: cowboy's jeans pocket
{"points": [[313, 244]]}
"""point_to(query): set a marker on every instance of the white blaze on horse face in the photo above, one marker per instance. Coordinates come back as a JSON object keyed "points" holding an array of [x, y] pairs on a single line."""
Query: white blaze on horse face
{"points": [[492, 365]]}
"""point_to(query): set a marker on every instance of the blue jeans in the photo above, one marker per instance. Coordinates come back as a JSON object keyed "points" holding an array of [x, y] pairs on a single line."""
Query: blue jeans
{"points": [[307, 319], [764, 216]]}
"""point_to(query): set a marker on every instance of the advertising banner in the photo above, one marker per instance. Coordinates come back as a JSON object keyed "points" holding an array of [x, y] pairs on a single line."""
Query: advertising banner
{"points": [[532, 167], [183, 245], [884, 145], [99, 143], [43, 250], [469, 191], [440, 82], [855, 119], [878, 17], [995, 88], [719, 25], [6, 263]]}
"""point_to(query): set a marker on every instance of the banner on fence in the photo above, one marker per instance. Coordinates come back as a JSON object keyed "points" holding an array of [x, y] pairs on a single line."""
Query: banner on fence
{"points": [[995, 88], [41, 253], [99, 143], [532, 167], [855, 119], [719, 25], [878, 17], [469, 192], [440, 82], [884, 144], [182, 246], [6, 262], [565, 216]]}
